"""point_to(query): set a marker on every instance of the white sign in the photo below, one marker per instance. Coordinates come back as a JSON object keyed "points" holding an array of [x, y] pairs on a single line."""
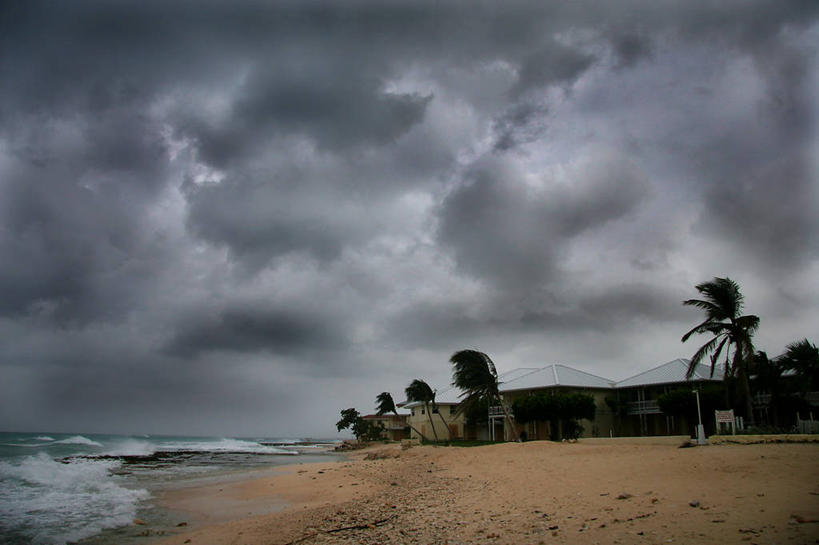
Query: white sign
{"points": [[725, 416]]}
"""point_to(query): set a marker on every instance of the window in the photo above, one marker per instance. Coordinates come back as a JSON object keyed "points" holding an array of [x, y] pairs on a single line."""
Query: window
{"points": [[423, 411], [413, 412], [452, 409], [435, 410]]}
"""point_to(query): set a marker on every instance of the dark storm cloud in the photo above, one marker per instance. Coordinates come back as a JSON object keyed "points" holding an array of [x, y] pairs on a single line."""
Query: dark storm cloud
{"points": [[246, 201], [335, 107], [249, 330], [505, 230]]}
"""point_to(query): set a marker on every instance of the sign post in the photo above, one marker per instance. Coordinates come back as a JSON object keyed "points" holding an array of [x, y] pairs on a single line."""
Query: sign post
{"points": [[726, 417]]}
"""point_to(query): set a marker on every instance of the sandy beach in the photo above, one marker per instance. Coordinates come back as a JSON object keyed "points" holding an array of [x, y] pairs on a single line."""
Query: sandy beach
{"points": [[539, 492]]}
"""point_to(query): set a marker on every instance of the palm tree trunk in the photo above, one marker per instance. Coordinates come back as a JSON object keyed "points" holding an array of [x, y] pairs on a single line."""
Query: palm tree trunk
{"points": [[429, 416], [413, 428], [508, 418], [437, 409], [446, 425]]}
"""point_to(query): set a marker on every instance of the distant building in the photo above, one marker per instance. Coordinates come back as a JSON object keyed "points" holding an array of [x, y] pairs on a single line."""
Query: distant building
{"points": [[640, 392], [626, 408], [443, 419], [555, 378], [395, 425]]}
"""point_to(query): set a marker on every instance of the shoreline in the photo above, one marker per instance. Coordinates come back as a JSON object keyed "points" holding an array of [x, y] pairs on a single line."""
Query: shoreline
{"points": [[193, 501], [585, 493]]}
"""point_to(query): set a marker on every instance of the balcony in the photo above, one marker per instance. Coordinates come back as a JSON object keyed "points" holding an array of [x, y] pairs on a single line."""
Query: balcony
{"points": [[649, 406]]}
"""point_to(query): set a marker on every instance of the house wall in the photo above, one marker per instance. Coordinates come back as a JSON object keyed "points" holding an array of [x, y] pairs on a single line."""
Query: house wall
{"points": [[455, 423]]}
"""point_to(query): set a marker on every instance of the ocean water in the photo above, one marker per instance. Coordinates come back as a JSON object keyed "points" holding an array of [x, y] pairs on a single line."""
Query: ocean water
{"points": [[60, 488]]}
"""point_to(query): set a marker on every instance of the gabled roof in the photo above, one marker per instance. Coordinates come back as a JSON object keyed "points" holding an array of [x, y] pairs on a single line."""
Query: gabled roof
{"points": [[555, 375], [672, 372]]}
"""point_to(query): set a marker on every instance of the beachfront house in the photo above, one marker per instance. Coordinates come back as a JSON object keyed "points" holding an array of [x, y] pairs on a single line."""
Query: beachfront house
{"points": [[549, 380], [639, 395], [395, 425], [447, 422], [630, 407]]}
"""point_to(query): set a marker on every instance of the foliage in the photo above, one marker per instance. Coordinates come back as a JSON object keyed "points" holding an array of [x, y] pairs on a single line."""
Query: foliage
{"points": [[723, 303], [562, 406], [362, 429], [474, 373], [475, 413], [683, 401], [617, 406], [420, 391], [562, 410], [572, 429], [385, 404], [803, 357], [348, 418]]}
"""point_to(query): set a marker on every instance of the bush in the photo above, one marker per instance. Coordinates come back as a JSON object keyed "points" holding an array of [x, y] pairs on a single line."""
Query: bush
{"points": [[561, 410]]}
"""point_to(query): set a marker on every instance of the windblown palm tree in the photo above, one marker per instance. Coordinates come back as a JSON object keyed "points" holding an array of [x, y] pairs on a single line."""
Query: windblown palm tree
{"points": [[475, 374], [768, 377], [723, 303], [385, 404], [419, 391], [803, 357]]}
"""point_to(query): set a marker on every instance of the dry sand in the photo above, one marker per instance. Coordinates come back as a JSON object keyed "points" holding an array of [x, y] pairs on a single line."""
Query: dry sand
{"points": [[538, 492]]}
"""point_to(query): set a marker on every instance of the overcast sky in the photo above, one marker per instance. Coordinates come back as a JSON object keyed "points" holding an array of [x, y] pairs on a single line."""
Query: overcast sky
{"points": [[238, 218]]}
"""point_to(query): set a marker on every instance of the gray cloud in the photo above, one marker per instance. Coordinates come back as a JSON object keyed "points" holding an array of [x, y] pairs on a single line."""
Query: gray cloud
{"points": [[282, 331], [259, 203], [503, 229]]}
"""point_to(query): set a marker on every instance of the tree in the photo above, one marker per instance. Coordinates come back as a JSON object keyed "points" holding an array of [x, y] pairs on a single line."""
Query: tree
{"points": [[803, 357], [562, 410], [385, 404], [362, 429], [768, 379], [683, 401], [419, 391], [475, 374], [732, 332]]}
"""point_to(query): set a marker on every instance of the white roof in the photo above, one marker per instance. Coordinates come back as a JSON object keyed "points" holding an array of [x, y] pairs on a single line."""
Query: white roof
{"points": [[555, 375], [671, 372]]}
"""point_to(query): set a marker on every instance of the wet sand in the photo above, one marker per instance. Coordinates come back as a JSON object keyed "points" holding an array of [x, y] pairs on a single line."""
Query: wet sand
{"points": [[539, 492]]}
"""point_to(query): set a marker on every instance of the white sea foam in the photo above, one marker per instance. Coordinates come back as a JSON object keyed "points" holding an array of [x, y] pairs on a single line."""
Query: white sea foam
{"points": [[78, 440], [221, 445], [52, 503], [132, 447], [43, 438]]}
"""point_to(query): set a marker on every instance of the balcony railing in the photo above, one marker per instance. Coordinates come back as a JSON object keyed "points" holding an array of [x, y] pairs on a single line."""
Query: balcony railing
{"points": [[649, 406]]}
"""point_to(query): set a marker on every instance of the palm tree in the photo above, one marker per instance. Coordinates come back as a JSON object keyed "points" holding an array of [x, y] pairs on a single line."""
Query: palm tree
{"points": [[803, 357], [475, 374], [419, 391], [768, 378], [723, 304], [385, 404]]}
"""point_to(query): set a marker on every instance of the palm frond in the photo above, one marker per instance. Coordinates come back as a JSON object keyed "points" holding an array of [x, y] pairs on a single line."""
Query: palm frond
{"points": [[418, 390], [474, 373], [699, 328], [384, 404], [703, 351]]}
